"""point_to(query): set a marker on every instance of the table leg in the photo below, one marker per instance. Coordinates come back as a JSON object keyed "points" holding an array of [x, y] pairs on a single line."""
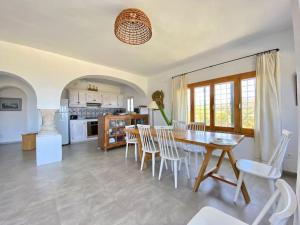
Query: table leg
{"points": [[236, 172], [202, 170], [220, 161]]}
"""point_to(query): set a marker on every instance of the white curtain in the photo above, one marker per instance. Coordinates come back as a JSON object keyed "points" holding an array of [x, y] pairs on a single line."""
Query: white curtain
{"points": [[267, 111], [179, 98]]}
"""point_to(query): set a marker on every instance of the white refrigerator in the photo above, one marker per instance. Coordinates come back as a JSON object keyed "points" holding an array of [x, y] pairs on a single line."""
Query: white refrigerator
{"points": [[62, 121]]}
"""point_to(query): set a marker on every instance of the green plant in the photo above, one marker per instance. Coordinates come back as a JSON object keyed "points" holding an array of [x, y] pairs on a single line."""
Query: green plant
{"points": [[158, 97], [163, 113]]}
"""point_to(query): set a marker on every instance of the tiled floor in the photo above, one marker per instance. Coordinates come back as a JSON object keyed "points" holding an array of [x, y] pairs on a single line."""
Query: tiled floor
{"points": [[93, 187]]}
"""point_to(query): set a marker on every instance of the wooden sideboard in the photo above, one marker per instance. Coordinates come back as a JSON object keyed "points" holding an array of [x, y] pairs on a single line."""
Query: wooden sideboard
{"points": [[111, 129]]}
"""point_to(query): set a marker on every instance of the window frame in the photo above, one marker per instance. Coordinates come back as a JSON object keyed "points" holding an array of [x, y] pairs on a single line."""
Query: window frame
{"points": [[237, 104]]}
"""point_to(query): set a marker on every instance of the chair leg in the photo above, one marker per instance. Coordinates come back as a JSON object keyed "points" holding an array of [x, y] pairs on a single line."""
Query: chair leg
{"points": [[153, 164], [175, 173], [187, 167], [239, 184], [135, 151], [189, 156], [161, 167], [126, 152], [271, 186], [179, 167], [196, 162], [272, 190], [143, 158], [166, 164]]}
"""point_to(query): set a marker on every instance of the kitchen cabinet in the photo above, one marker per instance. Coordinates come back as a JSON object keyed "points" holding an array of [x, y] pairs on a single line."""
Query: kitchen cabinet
{"points": [[120, 101], [78, 130], [109, 100], [93, 97], [77, 98]]}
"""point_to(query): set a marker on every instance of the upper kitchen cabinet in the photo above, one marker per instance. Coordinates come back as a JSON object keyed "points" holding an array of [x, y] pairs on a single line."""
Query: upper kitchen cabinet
{"points": [[109, 100], [93, 97], [80, 98], [121, 101], [77, 98]]}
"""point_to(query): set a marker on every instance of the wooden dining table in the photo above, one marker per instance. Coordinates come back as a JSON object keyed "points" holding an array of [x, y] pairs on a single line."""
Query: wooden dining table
{"points": [[205, 139]]}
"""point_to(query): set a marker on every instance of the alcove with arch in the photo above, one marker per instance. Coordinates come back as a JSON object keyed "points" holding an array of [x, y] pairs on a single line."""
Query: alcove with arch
{"points": [[26, 120]]}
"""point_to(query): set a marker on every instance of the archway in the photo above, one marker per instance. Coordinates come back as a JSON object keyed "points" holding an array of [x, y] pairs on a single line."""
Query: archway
{"points": [[115, 90], [25, 119]]}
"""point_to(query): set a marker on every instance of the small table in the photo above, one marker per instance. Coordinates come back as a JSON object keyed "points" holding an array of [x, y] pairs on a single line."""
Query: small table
{"points": [[29, 141], [204, 139]]}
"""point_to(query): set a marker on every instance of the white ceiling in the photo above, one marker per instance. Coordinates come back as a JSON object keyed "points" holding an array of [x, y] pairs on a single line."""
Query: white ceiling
{"points": [[83, 29]]}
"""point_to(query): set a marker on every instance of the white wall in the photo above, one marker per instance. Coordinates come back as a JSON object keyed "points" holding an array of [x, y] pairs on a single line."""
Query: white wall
{"points": [[49, 73], [13, 124], [138, 97], [102, 87], [282, 40]]}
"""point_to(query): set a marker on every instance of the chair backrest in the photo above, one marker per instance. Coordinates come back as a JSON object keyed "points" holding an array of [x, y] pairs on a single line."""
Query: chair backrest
{"points": [[286, 207], [196, 126], [166, 142], [146, 138], [180, 125], [279, 153], [129, 134]]}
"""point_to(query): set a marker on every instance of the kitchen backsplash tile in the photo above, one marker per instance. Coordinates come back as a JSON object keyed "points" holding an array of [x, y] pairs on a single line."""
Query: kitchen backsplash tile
{"points": [[93, 112]]}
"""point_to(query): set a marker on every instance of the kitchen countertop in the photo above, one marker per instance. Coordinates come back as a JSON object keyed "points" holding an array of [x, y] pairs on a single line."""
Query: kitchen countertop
{"points": [[88, 120]]}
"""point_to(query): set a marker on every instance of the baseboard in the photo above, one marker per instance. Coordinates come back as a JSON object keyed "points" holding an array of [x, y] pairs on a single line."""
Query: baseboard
{"points": [[10, 142]]}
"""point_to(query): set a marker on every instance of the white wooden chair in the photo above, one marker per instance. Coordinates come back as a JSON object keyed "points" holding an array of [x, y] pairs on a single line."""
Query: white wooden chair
{"points": [[169, 151], [270, 171], [286, 207], [195, 126], [148, 145], [130, 139], [180, 125]]}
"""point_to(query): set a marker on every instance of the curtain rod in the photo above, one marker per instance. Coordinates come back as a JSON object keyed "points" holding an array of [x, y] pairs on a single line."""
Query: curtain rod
{"points": [[232, 60]]}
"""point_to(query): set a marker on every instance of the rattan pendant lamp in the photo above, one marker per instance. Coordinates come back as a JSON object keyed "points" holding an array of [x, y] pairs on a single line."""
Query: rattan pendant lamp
{"points": [[133, 27]]}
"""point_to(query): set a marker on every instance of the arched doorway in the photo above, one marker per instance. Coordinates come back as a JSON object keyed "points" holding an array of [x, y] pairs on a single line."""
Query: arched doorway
{"points": [[16, 121], [110, 97]]}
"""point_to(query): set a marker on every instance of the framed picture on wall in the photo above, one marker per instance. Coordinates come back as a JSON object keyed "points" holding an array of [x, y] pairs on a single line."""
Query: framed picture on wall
{"points": [[10, 104]]}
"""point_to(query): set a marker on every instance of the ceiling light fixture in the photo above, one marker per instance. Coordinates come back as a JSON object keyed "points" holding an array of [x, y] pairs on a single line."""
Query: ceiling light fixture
{"points": [[133, 27]]}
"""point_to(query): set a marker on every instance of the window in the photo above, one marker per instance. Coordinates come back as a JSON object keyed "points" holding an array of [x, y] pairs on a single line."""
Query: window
{"points": [[201, 104], [189, 104], [248, 102], [130, 107], [224, 104]]}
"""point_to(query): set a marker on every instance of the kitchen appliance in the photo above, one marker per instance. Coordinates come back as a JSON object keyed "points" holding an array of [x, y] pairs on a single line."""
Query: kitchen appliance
{"points": [[143, 110], [62, 121], [92, 129], [93, 105], [73, 117]]}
